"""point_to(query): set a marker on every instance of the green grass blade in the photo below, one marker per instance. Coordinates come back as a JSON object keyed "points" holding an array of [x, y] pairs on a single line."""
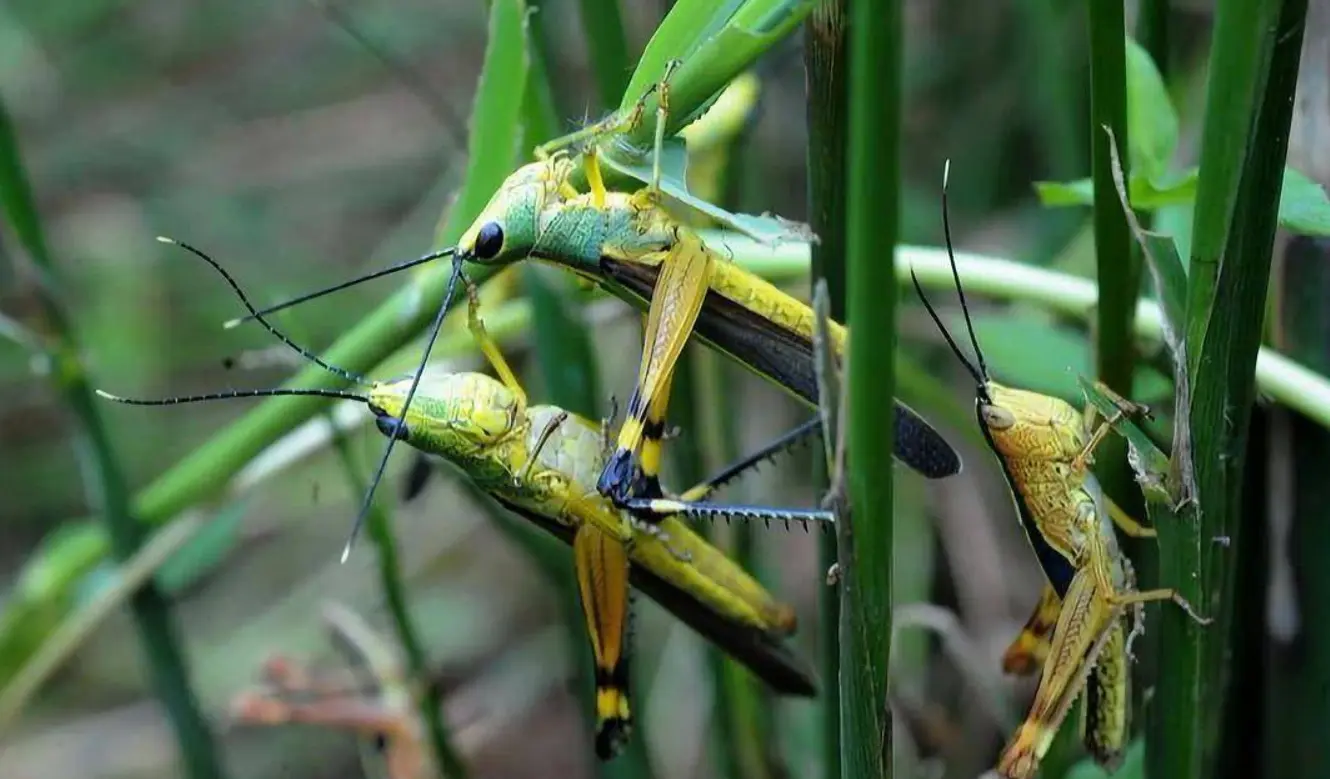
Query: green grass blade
{"points": [[156, 628], [864, 540], [714, 56]]}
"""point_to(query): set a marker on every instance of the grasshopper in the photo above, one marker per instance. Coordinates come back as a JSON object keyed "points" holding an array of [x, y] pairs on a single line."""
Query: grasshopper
{"points": [[541, 462], [631, 246], [1045, 448]]}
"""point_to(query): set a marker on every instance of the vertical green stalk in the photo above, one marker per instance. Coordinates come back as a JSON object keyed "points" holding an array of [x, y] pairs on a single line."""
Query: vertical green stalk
{"points": [[1240, 744], [428, 701], [826, 64], [1253, 71], [602, 23], [1117, 258], [1119, 264], [864, 534], [148, 606]]}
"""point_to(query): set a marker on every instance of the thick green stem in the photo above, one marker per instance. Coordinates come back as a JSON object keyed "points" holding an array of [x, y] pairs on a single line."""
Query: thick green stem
{"points": [[826, 63], [1253, 70], [864, 533]]}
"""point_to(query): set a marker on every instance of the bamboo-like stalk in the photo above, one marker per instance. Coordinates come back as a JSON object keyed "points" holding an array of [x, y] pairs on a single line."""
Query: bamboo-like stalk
{"points": [[1253, 69], [827, 101], [156, 628], [864, 532]]}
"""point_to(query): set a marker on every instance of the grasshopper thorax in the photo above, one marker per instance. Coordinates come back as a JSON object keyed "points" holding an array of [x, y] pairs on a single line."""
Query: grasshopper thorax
{"points": [[456, 415], [507, 228]]}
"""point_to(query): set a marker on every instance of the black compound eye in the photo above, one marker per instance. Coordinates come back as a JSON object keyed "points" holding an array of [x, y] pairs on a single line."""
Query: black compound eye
{"points": [[391, 426], [489, 241]]}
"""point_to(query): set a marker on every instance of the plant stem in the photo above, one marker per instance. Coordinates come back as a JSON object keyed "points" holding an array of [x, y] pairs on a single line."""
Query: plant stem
{"points": [[1253, 70], [149, 608], [864, 534], [826, 64], [1118, 260], [428, 700]]}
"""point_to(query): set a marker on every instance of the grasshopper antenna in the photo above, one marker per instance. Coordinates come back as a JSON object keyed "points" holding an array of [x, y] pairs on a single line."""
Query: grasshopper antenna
{"points": [[397, 424], [258, 393], [956, 274], [388, 271], [258, 315], [233, 394], [978, 374]]}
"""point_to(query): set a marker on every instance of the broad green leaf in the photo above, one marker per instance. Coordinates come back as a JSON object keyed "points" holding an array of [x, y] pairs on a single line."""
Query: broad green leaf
{"points": [[1303, 204], [1152, 123], [1303, 207], [1145, 195]]}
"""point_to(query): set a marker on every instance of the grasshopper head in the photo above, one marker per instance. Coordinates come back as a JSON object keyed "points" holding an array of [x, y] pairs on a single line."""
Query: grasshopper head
{"points": [[454, 415], [1023, 424], [508, 227]]}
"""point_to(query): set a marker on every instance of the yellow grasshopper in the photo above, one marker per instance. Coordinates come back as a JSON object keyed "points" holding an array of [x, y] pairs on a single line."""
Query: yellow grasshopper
{"points": [[541, 462], [1045, 448], [629, 244]]}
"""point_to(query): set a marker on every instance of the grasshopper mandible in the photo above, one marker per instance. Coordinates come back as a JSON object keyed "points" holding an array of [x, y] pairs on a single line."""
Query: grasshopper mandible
{"points": [[1045, 448], [541, 462]]}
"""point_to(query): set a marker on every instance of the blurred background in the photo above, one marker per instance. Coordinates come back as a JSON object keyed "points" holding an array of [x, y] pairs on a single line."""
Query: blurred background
{"points": [[302, 144]]}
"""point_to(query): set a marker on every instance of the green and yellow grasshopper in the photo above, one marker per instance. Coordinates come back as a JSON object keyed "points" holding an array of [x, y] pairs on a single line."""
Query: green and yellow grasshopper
{"points": [[629, 244], [1045, 448], [541, 462]]}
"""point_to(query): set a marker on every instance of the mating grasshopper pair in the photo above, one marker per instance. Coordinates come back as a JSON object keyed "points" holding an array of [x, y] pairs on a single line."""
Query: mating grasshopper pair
{"points": [[630, 245], [1046, 447], [541, 462]]}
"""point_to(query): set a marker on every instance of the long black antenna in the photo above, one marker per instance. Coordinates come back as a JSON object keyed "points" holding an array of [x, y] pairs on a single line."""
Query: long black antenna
{"points": [[406, 404], [919, 290], [240, 293], [388, 271], [956, 274], [232, 394]]}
